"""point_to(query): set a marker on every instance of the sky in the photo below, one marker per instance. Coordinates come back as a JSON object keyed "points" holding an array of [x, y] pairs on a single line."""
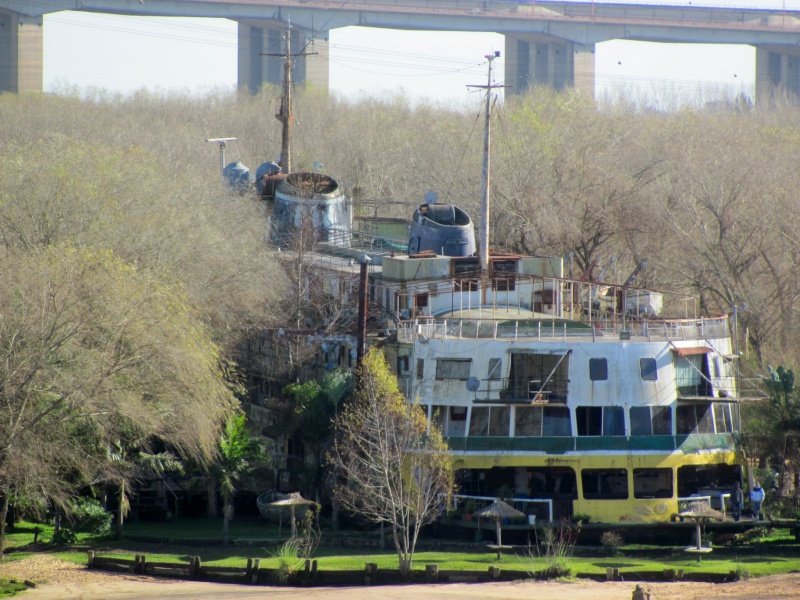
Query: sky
{"points": [[125, 54]]}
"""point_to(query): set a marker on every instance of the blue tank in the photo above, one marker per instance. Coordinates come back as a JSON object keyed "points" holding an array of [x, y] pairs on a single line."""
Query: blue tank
{"points": [[442, 228]]}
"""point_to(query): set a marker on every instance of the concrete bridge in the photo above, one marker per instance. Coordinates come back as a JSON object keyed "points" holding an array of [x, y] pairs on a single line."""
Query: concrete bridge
{"points": [[548, 42]]}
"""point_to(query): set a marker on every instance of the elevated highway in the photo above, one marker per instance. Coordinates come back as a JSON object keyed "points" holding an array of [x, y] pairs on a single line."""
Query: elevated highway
{"points": [[547, 42]]}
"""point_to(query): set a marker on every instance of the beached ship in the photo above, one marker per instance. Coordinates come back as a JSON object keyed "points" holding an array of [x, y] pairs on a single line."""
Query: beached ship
{"points": [[616, 414]]}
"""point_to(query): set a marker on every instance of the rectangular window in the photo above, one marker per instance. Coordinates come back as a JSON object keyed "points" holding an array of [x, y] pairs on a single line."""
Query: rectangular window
{"points": [[695, 418], [598, 369], [652, 483], [605, 484], [589, 420], [479, 421], [722, 418], [641, 423], [458, 413], [453, 368], [651, 420], [613, 420], [420, 368], [528, 421], [402, 365], [499, 420], [662, 420], [555, 421], [495, 369], [647, 367]]}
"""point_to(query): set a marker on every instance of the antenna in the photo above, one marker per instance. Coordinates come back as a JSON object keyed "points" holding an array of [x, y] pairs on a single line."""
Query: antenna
{"points": [[222, 142]]}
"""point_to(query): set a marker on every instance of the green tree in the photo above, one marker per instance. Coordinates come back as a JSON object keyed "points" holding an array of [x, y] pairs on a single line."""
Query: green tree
{"points": [[239, 455], [92, 349], [392, 465]]}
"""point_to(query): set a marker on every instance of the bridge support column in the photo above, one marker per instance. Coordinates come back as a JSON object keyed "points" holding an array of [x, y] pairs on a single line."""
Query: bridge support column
{"points": [[777, 71], [259, 38], [532, 61], [21, 53]]}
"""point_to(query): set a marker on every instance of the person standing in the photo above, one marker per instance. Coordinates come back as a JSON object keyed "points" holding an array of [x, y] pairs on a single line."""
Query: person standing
{"points": [[737, 501], [757, 495]]}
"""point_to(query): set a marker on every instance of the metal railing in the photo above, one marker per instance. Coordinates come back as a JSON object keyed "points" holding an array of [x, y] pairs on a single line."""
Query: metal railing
{"points": [[557, 329]]}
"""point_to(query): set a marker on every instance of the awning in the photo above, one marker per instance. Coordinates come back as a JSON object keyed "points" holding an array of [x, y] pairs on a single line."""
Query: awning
{"points": [[691, 351]]}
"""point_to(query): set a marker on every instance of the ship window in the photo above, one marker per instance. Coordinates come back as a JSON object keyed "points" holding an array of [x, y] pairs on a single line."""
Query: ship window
{"points": [[528, 421], [420, 368], [613, 420], [495, 368], [692, 374], [600, 420], [647, 367], [695, 418], [605, 484], [489, 421], [651, 420], [453, 368], [598, 369], [722, 418], [458, 413], [652, 483], [555, 421], [402, 364]]}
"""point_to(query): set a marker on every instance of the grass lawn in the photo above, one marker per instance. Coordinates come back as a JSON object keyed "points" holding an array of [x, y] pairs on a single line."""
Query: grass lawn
{"points": [[767, 559], [9, 588]]}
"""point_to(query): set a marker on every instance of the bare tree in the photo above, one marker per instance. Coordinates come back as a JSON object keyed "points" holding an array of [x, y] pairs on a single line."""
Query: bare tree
{"points": [[392, 465]]}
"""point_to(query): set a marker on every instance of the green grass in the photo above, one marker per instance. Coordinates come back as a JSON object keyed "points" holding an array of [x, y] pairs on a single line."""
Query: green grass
{"points": [[10, 587], [765, 559]]}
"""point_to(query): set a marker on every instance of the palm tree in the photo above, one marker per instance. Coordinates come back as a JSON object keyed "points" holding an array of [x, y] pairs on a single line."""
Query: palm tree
{"points": [[239, 454], [129, 457]]}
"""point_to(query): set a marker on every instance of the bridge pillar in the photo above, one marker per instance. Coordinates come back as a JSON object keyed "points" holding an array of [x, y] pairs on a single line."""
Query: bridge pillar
{"points": [[21, 53], [532, 60], [259, 38], [777, 70]]}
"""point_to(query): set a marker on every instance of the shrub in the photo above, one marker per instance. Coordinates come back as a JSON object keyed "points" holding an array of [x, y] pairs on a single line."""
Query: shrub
{"points": [[64, 537], [289, 561], [89, 516], [611, 542]]}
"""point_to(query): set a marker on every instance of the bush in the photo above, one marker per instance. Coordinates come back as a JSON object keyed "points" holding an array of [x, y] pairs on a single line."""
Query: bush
{"points": [[64, 537], [89, 516], [611, 541]]}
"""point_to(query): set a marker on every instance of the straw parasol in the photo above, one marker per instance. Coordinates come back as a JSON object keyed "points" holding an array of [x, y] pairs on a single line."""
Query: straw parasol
{"points": [[292, 500], [700, 513], [499, 510]]}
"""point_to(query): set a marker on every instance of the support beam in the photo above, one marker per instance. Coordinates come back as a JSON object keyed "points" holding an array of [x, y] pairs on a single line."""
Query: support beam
{"points": [[777, 72], [21, 53], [258, 38], [537, 60]]}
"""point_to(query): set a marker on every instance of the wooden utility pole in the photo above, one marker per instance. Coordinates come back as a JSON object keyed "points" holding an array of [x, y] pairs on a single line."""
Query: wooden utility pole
{"points": [[483, 248], [285, 113]]}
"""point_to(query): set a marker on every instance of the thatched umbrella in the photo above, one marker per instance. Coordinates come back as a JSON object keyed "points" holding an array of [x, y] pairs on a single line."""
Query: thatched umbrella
{"points": [[292, 500], [499, 510], [700, 513]]}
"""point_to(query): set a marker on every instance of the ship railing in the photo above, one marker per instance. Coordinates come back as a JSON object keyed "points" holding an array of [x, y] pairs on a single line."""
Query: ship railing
{"points": [[557, 329], [519, 503]]}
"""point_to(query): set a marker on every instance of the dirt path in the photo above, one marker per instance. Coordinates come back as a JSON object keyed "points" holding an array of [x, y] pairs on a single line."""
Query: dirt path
{"points": [[59, 580]]}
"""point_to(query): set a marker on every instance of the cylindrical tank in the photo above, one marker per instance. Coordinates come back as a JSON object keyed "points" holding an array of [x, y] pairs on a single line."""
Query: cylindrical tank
{"points": [[311, 200], [442, 228]]}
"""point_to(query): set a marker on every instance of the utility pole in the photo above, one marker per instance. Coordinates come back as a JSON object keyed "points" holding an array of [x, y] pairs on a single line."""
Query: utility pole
{"points": [[483, 249], [285, 113]]}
